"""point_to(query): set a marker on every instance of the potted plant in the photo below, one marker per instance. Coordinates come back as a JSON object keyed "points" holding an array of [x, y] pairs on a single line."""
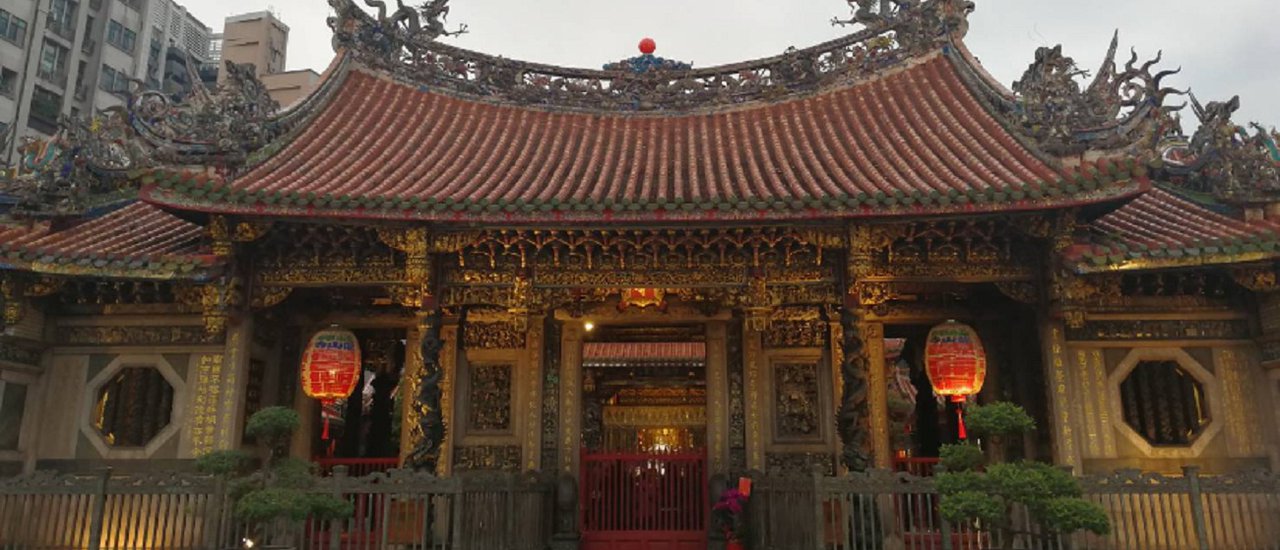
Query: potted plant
{"points": [[279, 493], [990, 492], [730, 515]]}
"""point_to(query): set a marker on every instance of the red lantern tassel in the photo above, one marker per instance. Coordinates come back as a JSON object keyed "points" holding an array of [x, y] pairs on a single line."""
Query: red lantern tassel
{"points": [[960, 430]]}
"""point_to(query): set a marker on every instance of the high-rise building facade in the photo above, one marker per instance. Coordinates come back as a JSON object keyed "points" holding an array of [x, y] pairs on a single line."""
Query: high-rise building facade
{"points": [[261, 39], [68, 57]]}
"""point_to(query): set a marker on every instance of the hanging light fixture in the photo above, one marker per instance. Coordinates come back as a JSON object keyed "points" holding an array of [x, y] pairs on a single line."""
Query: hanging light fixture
{"points": [[331, 368], [956, 364]]}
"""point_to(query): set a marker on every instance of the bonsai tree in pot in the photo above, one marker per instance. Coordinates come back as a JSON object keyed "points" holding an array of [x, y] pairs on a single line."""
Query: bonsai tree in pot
{"points": [[278, 494], [991, 492]]}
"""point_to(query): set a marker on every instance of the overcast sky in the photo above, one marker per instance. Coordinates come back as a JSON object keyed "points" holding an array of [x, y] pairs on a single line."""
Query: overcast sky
{"points": [[1225, 47]]}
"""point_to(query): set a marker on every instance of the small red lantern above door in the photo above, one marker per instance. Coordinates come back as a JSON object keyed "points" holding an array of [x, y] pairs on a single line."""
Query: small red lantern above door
{"points": [[331, 367], [955, 362]]}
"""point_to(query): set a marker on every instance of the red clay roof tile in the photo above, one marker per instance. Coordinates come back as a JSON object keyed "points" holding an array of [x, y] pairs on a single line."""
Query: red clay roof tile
{"points": [[139, 240], [896, 144], [1160, 225]]}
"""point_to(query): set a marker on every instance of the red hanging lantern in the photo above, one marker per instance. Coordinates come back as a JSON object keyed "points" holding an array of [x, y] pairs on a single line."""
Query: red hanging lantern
{"points": [[331, 368], [956, 363]]}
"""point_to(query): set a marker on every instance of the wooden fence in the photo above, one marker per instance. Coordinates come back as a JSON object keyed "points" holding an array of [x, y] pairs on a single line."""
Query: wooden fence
{"points": [[398, 509], [188, 512], [882, 510]]}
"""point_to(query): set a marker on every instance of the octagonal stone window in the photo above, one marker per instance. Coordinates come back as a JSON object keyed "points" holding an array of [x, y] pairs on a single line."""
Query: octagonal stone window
{"points": [[1164, 403], [133, 406]]}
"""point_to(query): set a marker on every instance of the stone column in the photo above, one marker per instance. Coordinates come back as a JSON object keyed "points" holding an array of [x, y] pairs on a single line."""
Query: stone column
{"points": [[531, 439], [882, 453], [718, 397], [754, 370], [570, 397], [235, 378], [1061, 409], [409, 434]]}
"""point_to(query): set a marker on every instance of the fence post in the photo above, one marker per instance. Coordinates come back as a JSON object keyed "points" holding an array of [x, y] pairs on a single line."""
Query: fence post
{"points": [[338, 479], [947, 543], [1192, 474], [99, 509], [511, 511], [215, 519], [819, 536]]}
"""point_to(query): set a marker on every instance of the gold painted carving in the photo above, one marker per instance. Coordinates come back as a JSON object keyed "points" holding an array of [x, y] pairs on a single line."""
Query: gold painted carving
{"points": [[1021, 291], [654, 417], [249, 231], [263, 296], [11, 295], [414, 243], [493, 335], [220, 235], [216, 300], [1257, 279]]}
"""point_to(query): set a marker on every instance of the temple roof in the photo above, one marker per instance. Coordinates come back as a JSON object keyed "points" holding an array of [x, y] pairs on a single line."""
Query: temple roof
{"points": [[909, 141], [137, 241], [1162, 229]]}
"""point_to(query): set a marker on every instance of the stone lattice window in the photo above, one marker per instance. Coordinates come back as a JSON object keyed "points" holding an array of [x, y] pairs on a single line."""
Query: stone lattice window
{"points": [[133, 406], [1164, 403]]}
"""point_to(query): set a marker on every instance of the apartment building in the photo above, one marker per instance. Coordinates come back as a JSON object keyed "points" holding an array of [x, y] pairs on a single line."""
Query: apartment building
{"points": [[260, 39], [68, 57]]}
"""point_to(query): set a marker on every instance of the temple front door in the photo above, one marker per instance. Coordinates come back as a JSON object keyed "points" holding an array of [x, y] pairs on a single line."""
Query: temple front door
{"points": [[644, 501]]}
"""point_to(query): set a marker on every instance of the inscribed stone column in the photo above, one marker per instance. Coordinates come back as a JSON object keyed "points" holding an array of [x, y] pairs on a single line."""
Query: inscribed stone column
{"points": [[531, 439], [570, 397], [754, 366], [718, 397], [235, 379], [1061, 408], [880, 441]]}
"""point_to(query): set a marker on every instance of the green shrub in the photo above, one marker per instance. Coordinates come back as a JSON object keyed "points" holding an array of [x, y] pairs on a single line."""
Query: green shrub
{"points": [[1050, 495], [998, 419], [962, 457], [282, 488]]}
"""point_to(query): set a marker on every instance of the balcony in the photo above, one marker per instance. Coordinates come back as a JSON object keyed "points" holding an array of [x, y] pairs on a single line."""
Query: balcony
{"points": [[89, 47], [82, 92], [57, 79], [60, 27]]}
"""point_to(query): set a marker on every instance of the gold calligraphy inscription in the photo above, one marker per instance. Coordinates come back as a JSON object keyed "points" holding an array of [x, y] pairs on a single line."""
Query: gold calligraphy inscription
{"points": [[533, 401], [1062, 399], [752, 350], [1241, 420], [571, 394], [448, 364], [1081, 370], [230, 393], [717, 387], [879, 395], [204, 418], [1098, 369]]}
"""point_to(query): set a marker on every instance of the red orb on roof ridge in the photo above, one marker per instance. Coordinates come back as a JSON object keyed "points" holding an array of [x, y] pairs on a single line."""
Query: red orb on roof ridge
{"points": [[647, 46]]}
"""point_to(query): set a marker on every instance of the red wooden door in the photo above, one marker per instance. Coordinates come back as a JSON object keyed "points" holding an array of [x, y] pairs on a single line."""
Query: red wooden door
{"points": [[644, 501]]}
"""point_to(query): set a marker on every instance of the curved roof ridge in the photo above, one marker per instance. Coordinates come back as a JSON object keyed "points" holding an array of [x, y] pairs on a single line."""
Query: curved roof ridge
{"points": [[404, 45]]}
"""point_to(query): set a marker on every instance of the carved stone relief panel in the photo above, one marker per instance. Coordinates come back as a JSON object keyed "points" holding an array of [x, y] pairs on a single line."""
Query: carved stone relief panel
{"points": [[499, 335], [550, 393], [795, 334], [489, 403], [799, 463], [504, 458], [796, 405]]}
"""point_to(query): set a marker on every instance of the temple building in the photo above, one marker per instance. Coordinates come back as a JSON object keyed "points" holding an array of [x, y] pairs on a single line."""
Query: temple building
{"points": [[736, 266]]}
